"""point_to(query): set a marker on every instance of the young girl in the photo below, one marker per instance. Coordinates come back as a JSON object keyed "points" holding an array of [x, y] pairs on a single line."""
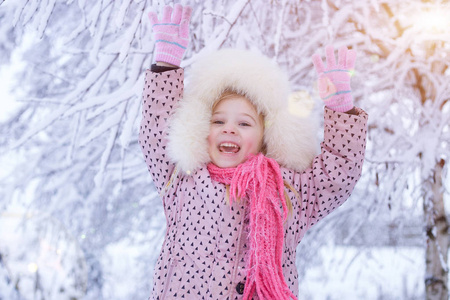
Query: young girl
{"points": [[236, 171]]}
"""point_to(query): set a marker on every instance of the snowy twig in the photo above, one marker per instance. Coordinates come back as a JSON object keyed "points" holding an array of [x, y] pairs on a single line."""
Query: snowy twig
{"points": [[222, 32], [220, 16]]}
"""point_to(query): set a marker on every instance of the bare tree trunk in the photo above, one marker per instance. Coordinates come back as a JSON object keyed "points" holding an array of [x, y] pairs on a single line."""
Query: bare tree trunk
{"points": [[436, 276]]}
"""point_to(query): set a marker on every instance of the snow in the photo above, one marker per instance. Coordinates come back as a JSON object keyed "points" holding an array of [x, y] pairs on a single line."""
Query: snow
{"points": [[8, 79], [339, 272], [77, 205], [370, 273], [131, 32], [8, 104], [120, 263], [44, 255]]}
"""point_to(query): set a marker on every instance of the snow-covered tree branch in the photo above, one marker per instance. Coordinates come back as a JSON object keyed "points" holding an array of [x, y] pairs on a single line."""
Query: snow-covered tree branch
{"points": [[77, 164]]}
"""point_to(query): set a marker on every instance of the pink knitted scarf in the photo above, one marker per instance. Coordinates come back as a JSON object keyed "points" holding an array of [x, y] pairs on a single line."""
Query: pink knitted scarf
{"points": [[260, 179]]}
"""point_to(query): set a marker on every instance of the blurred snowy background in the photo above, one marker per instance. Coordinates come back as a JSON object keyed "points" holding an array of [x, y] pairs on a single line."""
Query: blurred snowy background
{"points": [[79, 218]]}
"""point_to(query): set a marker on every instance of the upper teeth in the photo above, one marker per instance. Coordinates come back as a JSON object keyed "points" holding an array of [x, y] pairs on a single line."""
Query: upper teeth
{"points": [[228, 145]]}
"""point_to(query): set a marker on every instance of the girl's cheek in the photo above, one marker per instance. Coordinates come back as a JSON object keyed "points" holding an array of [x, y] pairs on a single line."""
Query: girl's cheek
{"points": [[210, 138], [256, 146], [261, 145]]}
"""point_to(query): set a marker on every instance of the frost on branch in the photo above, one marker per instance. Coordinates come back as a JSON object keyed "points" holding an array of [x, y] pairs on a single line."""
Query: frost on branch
{"points": [[76, 133]]}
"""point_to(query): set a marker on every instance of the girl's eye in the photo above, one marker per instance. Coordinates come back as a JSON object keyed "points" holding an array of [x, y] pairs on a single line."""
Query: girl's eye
{"points": [[244, 124], [218, 122]]}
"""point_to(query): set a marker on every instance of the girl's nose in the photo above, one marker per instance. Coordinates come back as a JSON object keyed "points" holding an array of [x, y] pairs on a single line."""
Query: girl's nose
{"points": [[228, 128]]}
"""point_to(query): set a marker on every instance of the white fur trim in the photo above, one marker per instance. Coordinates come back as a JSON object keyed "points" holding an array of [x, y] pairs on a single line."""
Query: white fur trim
{"points": [[289, 139]]}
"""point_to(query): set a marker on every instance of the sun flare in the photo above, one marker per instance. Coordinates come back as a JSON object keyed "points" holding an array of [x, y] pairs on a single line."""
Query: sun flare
{"points": [[434, 20]]}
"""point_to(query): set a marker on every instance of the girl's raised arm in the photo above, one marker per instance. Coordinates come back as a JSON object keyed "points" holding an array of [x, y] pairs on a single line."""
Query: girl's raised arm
{"points": [[163, 89], [336, 170]]}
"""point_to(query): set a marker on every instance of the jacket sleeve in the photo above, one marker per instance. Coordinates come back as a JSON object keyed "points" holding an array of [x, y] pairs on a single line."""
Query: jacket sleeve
{"points": [[162, 91], [335, 171]]}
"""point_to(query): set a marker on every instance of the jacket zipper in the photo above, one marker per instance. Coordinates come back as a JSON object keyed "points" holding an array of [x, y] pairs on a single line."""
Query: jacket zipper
{"points": [[166, 284], [236, 263]]}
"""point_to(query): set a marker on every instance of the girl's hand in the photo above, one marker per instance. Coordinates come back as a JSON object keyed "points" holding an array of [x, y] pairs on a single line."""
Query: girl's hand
{"points": [[171, 34], [334, 80]]}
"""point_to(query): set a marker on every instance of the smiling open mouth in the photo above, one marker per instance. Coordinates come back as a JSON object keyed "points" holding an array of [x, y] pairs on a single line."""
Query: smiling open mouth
{"points": [[229, 148]]}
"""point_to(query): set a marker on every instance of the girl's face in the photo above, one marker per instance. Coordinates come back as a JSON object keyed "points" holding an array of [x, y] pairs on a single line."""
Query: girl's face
{"points": [[236, 131]]}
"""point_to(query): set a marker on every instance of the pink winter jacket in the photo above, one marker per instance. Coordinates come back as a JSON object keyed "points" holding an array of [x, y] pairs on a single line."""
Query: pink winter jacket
{"points": [[203, 253]]}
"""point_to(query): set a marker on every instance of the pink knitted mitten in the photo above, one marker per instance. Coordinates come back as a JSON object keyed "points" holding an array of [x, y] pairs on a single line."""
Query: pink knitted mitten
{"points": [[334, 80], [171, 33]]}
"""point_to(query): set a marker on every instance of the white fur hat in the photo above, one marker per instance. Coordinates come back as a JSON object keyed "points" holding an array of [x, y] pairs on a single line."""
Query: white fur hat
{"points": [[289, 139]]}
